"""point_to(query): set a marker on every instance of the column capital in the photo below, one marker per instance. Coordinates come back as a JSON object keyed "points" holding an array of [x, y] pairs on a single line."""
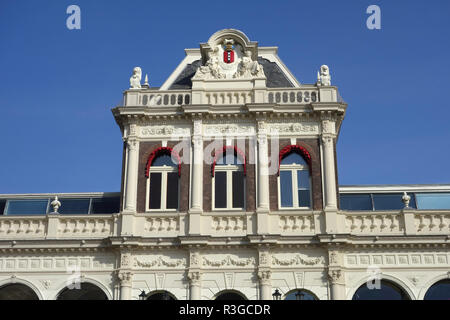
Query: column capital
{"points": [[327, 139], [125, 278], [265, 277], [194, 277], [336, 276]]}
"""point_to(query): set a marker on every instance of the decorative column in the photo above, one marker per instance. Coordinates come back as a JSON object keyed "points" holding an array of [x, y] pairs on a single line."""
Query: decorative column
{"points": [[197, 179], [125, 285], [337, 284], [132, 170], [263, 180], [195, 285], [265, 285], [331, 218], [336, 274]]}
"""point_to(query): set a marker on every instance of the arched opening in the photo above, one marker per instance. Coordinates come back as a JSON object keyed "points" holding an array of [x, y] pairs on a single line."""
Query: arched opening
{"points": [[439, 291], [160, 295], [85, 291], [230, 295], [387, 290], [300, 294], [17, 291]]}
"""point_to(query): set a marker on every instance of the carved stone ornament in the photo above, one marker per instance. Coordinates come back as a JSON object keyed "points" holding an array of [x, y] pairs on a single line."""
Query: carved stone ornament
{"points": [[229, 129], [168, 131], [248, 68], [229, 261], [335, 276], [294, 128], [323, 77], [211, 70], [194, 259], [125, 260], [132, 144], [135, 80], [194, 277], [296, 260], [160, 262], [125, 278]]}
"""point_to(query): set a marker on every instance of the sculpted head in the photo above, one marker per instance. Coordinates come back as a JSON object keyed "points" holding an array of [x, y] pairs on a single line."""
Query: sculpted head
{"points": [[137, 71], [324, 70]]}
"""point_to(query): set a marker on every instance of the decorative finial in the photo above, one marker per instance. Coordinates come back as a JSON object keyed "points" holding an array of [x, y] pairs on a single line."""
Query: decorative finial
{"points": [[406, 199], [55, 204], [146, 80]]}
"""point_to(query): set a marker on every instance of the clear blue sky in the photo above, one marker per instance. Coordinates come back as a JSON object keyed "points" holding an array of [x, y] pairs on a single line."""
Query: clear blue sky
{"points": [[57, 86]]}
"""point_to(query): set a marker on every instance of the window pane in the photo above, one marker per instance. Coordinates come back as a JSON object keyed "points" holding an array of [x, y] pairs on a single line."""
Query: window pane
{"points": [[293, 158], [356, 202], [391, 201], [304, 198], [303, 179], [286, 188], [433, 200], [2, 206], [73, 206], [27, 206], [106, 205], [172, 190], [220, 190], [228, 158], [155, 190], [238, 189], [163, 160]]}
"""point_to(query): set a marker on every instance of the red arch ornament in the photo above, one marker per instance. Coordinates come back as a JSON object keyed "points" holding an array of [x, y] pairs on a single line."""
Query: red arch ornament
{"points": [[294, 148], [162, 151]]}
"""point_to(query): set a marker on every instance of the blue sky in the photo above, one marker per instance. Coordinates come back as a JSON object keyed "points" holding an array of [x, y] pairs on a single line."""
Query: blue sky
{"points": [[57, 86]]}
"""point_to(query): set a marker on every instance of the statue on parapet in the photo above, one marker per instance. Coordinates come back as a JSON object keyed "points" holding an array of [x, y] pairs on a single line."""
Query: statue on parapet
{"points": [[323, 77], [248, 68], [135, 80]]}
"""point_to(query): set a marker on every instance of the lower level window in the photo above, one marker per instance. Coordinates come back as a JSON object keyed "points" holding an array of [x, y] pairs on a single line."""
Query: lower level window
{"points": [[162, 186], [229, 184], [294, 183]]}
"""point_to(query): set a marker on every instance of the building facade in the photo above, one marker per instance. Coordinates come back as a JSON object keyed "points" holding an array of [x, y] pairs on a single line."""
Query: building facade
{"points": [[229, 190]]}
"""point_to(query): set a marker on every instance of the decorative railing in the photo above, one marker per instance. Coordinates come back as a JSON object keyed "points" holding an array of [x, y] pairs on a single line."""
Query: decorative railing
{"points": [[23, 227], [156, 98], [292, 96], [297, 223], [85, 227], [430, 222], [374, 223], [161, 224]]}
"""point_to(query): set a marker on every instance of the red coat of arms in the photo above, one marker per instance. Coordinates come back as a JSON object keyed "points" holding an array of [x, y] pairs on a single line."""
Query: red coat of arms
{"points": [[228, 54]]}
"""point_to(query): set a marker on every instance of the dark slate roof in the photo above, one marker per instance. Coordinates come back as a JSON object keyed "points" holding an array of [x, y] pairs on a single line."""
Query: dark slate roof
{"points": [[275, 77]]}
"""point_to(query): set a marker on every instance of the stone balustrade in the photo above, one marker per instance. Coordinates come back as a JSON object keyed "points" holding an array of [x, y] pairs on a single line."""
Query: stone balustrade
{"points": [[291, 223]]}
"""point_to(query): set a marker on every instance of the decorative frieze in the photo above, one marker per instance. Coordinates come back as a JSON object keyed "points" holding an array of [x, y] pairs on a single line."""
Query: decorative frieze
{"points": [[158, 262], [289, 260], [398, 259], [164, 131], [228, 261], [296, 128], [231, 129]]}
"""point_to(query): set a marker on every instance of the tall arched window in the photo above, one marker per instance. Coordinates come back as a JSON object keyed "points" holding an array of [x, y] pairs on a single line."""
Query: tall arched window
{"points": [[162, 181], [294, 182], [439, 291], [228, 180]]}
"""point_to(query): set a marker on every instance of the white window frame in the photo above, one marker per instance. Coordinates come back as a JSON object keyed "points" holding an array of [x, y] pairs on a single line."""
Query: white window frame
{"points": [[229, 169], [164, 170], [293, 168]]}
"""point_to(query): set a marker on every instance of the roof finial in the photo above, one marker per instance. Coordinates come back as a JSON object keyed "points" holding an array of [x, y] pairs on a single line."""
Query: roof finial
{"points": [[406, 199], [56, 205], [146, 80]]}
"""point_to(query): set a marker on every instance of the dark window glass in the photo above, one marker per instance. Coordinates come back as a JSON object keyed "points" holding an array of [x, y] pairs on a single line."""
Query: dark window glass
{"points": [[161, 296], [86, 291], [2, 206], [300, 295], [164, 160], [172, 190], [220, 190], [238, 189], [391, 201], [439, 291], [26, 207], [105, 205], [230, 296], [286, 188], [433, 200], [155, 190], [293, 158], [355, 202], [387, 291], [304, 198], [73, 206]]}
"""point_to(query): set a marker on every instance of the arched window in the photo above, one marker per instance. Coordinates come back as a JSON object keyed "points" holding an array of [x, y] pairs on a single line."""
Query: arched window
{"points": [[386, 291], [17, 291], [230, 295], [300, 294], [85, 291], [163, 180], [294, 181], [439, 291], [160, 295], [228, 179]]}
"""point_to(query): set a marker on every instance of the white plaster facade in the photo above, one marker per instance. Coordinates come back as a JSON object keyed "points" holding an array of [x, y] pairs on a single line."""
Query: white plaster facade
{"points": [[198, 253]]}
